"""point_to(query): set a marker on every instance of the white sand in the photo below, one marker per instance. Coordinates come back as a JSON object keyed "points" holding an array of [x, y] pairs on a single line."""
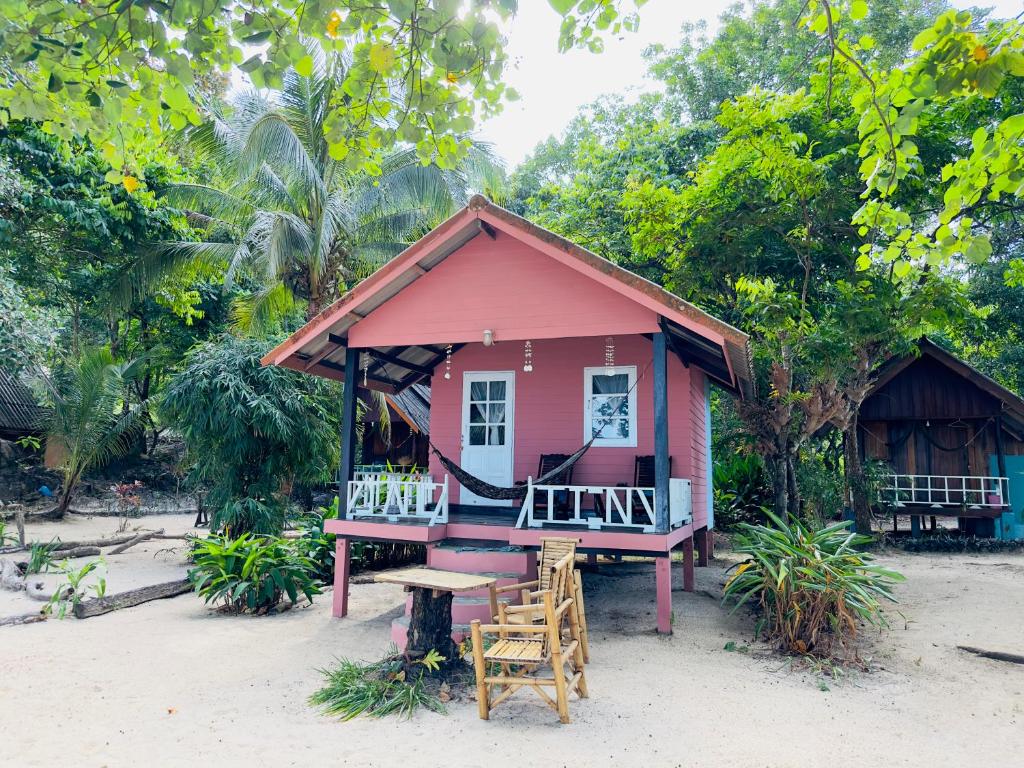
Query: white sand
{"points": [[170, 682]]}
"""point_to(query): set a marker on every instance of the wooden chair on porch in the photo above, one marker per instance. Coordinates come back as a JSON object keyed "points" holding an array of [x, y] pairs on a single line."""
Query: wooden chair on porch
{"points": [[547, 463], [523, 648], [552, 550]]}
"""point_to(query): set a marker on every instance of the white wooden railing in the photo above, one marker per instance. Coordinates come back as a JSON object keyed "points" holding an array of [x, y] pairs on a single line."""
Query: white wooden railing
{"points": [[395, 497], [612, 506], [970, 491]]}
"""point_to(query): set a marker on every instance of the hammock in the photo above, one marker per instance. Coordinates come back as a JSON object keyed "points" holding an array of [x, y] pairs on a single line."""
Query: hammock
{"points": [[516, 492]]}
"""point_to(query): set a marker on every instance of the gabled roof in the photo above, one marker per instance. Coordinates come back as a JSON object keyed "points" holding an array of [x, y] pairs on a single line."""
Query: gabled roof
{"points": [[696, 336], [20, 412], [1013, 404]]}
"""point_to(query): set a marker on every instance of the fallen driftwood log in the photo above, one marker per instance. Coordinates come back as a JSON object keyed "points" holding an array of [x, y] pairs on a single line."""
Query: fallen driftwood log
{"points": [[77, 552], [10, 576], [134, 540], [1013, 658], [25, 618], [101, 605]]}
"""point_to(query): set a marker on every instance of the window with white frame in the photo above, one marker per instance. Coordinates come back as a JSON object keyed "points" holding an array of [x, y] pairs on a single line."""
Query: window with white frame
{"points": [[609, 406]]}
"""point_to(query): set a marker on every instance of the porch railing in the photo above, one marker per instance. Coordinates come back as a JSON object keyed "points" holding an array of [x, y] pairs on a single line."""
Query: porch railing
{"points": [[965, 491], [396, 497], [612, 506]]}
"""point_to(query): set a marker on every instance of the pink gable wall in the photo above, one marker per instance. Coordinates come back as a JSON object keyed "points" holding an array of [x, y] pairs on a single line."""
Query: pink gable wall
{"points": [[506, 286], [549, 408]]}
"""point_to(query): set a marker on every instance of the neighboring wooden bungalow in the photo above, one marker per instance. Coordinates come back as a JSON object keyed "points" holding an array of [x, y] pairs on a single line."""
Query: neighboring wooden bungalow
{"points": [[21, 414], [534, 348], [954, 440]]}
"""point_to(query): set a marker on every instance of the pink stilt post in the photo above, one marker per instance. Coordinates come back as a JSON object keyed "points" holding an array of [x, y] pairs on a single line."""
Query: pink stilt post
{"points": [[663, 586], [341, 568], [688, 574]]}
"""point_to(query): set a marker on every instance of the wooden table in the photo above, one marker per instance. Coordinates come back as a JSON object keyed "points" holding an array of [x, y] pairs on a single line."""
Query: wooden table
{"points": [[430, 625]]}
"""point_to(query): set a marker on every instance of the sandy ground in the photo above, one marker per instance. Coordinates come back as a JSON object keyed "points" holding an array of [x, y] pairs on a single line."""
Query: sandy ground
{"points": [[170, 682]]}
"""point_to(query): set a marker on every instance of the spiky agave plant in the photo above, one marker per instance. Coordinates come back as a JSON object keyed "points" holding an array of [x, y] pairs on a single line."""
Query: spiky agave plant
{"points": [[90, 422], [812, 587]]}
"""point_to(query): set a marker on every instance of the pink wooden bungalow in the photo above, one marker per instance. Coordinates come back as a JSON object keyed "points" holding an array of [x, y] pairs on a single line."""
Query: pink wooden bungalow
{"points": [[532, 347]]}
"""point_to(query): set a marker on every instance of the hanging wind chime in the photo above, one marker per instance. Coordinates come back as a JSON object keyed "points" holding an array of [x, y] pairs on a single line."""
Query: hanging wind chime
{"points": [[528, 357], [366, 369], [448, 361], [609, 352]]}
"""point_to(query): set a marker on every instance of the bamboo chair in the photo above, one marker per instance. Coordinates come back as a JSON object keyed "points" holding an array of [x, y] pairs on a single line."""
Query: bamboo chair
{"points": [[552, 550], [524, 648]]}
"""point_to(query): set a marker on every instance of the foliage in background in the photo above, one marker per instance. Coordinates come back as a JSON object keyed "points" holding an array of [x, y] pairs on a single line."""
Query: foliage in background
{"points": [[948, 543], [251, 431], [27, 331], [89, 422], [318, 546], [810, 588], [742, 491], [391, 686], [420, 71], [285, 209], [251, 574]]}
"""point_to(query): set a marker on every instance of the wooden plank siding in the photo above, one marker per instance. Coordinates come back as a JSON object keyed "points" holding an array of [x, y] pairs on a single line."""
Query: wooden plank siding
{"points": [[698, 449]]}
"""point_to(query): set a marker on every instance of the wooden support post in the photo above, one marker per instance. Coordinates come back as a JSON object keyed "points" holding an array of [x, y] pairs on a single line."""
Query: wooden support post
{"points": [[895, 524], [702, 537], [915, 526], [531, 565], [592, 559], [932, 523], [339, 608], [663, 587], [348, 430], [661, 455], [689, 576]]}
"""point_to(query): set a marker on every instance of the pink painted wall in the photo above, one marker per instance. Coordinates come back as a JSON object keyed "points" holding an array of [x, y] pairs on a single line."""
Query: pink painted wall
{"points": [[506, 286], [549, 409]]}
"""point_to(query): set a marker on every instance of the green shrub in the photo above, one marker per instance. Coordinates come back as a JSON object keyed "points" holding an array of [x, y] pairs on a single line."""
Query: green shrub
{"points": [[70, 593], [947, 543], [811, 587], [40, 556], [393, 685], [316, 544], [742, 491], [251, 573]]}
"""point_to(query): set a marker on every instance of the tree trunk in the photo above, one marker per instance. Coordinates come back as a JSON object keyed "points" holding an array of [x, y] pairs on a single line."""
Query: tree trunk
{"points": [[792, 488], [856, 487], [780, 486], [430, 625]]}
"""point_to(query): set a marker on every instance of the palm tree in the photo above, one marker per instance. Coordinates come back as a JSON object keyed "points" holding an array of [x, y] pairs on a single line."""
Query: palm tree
{"points": [[298, 220], [89, 422]]}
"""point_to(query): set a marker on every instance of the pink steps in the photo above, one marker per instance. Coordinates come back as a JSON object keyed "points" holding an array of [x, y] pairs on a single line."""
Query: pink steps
{"points": [[508, 566]]}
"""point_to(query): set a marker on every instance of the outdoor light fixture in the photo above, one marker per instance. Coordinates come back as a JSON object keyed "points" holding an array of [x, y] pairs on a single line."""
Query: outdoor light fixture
{"points": [[488, 338]]}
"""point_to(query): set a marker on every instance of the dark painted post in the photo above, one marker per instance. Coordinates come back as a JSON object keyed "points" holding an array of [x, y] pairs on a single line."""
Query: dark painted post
{"points": [[660, 367], [348, 429], [1000, 450]]}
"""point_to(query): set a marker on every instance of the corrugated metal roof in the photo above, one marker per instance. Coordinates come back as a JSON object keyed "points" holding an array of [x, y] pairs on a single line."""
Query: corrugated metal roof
{"points": [[19, 410], [414, 402]]}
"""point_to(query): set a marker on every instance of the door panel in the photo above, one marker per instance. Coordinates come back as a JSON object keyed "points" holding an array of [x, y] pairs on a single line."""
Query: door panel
{"points": [[488, 408]]}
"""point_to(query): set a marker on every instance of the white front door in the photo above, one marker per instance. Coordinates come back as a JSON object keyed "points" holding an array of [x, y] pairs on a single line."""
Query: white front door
{"points": [[488, 403]]}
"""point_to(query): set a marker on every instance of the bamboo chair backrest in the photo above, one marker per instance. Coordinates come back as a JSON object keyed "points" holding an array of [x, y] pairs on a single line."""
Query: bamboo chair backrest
{"points": [[552, 550]]}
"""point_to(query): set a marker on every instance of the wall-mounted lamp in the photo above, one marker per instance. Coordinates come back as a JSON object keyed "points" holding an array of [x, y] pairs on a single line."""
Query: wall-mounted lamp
{"points": [[488, 338]]}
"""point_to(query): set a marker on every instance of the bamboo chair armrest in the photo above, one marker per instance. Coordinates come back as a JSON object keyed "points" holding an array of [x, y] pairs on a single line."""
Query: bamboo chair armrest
{"points": [[515, 587], [522, 629], [530, 608]]}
